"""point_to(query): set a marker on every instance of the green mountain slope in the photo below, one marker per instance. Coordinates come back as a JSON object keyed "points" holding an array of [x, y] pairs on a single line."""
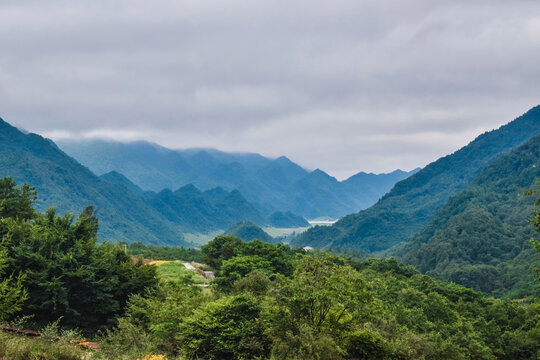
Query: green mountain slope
{"points": [[287, 220], [114, 177], [411, 204], [480, 238], [64, 183], [199, 211], [248, 231], [269, 184]]}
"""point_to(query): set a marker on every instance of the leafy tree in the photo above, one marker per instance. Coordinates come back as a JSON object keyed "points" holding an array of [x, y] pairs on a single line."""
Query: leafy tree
{"points": [[535, 219], [16, 202], [229, 328], [312, 310], [162, 313], [64, 271], [239, 266], [12, 293], [221, 248], [146, 251]]}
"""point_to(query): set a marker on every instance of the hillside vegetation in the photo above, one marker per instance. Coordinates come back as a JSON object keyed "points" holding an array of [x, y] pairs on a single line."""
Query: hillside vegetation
{"points": [[413, 202], [269, 184], [247, 231], [70, 187], [480, 238], [267, 301]]}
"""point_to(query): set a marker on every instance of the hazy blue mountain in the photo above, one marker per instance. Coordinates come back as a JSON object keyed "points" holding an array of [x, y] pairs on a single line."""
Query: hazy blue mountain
{"points": [[373, 184], [411, 204], [269, 184], [480, 238], [287, 220], [153, 167], [248, 231], [114, 177], [64, 183], [199, 211]]}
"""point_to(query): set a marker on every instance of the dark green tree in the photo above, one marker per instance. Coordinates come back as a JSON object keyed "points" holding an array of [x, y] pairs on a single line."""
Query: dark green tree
{"points": [[222, 248], [16, 202], [229, 328]]}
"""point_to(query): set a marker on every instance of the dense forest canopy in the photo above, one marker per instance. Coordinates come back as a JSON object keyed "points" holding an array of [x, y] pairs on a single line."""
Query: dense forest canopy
{"points": [[267, 301], [413, 202], [480, 238]]}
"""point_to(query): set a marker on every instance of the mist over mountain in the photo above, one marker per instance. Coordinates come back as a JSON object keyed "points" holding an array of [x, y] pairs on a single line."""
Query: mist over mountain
{"points": [[70, 187], [125, 211], [269, 184]]}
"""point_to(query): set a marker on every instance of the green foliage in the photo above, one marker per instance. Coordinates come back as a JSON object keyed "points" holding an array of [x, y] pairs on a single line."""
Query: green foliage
{"points": [[369, 345], [162, 313], [480, 238], [127, 340], [146, 251], [15, 347], [221, 248], [225, 247], [229, 328], [328, 308], [247, 231], [71, 187], [65, 273], [238, 267], [12, 293], [16, 202], [268, 184], [312, 310], [253, 256], [413, 202]]}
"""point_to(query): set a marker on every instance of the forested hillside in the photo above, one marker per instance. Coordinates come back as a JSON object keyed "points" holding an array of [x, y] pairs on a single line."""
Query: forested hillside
{"points": [[70, 187], [270, 184], [201, 212], [412, 203], [248, 231], [480, 238], [126, 212], [266, 302]]}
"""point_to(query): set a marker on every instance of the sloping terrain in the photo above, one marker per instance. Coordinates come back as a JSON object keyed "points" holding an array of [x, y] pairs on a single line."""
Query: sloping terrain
{"points": [[480, 238], [412, 203], [269, 184], [64, 183]]}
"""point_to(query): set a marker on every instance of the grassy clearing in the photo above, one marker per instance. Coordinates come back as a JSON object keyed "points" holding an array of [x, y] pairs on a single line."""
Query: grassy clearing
{"points": [[16, 347], [177, 270]]}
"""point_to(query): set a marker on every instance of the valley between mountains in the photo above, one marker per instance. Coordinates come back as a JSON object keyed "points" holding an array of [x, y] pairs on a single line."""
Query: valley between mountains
{"points": [[203, 254]]}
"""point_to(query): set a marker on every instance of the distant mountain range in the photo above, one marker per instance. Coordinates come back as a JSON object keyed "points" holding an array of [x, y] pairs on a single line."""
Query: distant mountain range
{"points": [[131, 213], [125, 211], [63, 182], [413, 202], [271, 185]]}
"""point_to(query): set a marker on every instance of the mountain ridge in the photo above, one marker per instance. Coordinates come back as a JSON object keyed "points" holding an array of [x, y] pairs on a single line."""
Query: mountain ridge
{"points": [[270, 184], [413, 201]]}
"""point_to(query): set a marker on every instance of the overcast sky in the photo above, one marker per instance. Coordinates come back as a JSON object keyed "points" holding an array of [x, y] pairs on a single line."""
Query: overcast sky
{"points": [[339, 85]]}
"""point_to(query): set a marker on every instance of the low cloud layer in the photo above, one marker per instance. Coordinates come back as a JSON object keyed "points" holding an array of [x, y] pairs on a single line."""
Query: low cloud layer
{"points": [[343, 86]]}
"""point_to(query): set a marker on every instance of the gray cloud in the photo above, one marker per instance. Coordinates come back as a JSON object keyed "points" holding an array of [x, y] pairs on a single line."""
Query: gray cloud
{"points": [[343, 86]]}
